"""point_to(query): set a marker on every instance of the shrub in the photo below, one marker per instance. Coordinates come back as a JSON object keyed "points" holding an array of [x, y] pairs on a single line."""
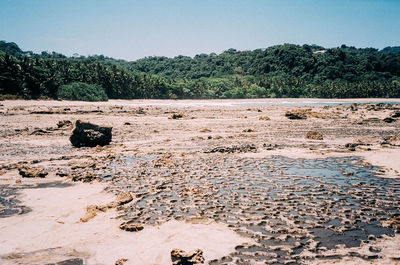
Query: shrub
{"points": [[82, 91]]}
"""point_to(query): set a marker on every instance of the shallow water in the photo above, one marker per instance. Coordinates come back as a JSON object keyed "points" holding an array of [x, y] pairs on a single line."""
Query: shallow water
{"points": [[278, 201], [10, 205]]}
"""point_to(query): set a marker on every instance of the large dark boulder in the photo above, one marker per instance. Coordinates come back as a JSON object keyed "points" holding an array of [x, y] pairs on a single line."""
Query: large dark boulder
{"points": [[88, 134]]}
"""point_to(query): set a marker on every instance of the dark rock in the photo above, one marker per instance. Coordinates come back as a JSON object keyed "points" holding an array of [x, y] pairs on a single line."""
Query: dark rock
{"points": [[395, 114], [64, 124], [292, 115], [176, 116], [140, 111], [389, 120], [26, 172], [73, 261], [264, 118], [131, 227], [354, 107], [121, 261], [354, 145], [84, 177], [394, 223], [369, 120], [42, 112], [391, 140], [233, 149], [88, 134], [39, 132], [270, 146], [180, 257], [375, 249], [314, 135]]}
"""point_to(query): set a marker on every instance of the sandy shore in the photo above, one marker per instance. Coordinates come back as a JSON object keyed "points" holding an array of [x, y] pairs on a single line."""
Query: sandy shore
{"points": [[198, 183], [55, 223]]}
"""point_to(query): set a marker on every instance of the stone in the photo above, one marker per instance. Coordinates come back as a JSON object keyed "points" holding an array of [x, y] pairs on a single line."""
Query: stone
{"points": [[131, 227], [122, 198], [84, 177], [26, 172], [392, 139], [121, 261], [293, 115], [314, 135], [180, 257], [72, 261], [394, 223], [389, 120], [91, 212], [395, 114], [39, 132], [375, 249], [64, 124], [176, 116], [233, 149], [264, 118], [91, 135]]}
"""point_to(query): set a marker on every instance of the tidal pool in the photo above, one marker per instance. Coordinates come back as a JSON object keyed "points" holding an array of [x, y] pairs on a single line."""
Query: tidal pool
{"points": [[286, 205]]}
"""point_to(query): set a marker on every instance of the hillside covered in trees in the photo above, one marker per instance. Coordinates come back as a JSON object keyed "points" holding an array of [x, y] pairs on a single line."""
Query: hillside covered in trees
{"points": [[278, 71]]}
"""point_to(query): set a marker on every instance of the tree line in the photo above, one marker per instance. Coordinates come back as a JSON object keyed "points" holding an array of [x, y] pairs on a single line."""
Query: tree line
{"points": [[279, 71]]}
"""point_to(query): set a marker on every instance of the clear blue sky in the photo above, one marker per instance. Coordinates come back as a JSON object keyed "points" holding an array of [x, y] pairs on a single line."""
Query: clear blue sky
{"points": [[135, 29]]}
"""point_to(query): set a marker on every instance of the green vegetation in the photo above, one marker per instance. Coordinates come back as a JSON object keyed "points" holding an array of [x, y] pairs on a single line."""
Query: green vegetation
{"points": [[278, 71], [82, 91]]}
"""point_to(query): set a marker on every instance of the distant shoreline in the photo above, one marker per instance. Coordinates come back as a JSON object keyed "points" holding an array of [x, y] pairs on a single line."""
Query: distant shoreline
{"points": [[208, 102]]}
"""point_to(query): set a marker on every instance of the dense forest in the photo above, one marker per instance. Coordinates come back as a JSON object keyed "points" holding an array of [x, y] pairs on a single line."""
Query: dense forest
{"points": [[278, 71]]}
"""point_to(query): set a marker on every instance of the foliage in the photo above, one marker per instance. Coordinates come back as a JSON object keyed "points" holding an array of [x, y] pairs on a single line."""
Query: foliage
{"points": [[278, 71], [82, 91]]}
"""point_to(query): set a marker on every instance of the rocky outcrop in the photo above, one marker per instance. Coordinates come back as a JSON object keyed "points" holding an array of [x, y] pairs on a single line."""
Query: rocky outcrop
{"points": [[121, 261], [233, 149], [88, 134], [64, 124], [122, 198], [180, 257], [395, 114], [84, 177], [26, 172], [389, 120], [314, 135], [176, 116], [73, 261], [296, 115], [130, 226], [394, 223], [264, 118], [91, 212], [302, 114], [392, 140]]}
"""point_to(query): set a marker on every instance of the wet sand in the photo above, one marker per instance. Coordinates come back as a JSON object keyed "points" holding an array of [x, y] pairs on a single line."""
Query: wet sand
{"points": [[235, 178]]}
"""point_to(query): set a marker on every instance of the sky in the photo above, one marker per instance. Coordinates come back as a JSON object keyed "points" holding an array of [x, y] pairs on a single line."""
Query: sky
{"points": [[135, 29]]}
